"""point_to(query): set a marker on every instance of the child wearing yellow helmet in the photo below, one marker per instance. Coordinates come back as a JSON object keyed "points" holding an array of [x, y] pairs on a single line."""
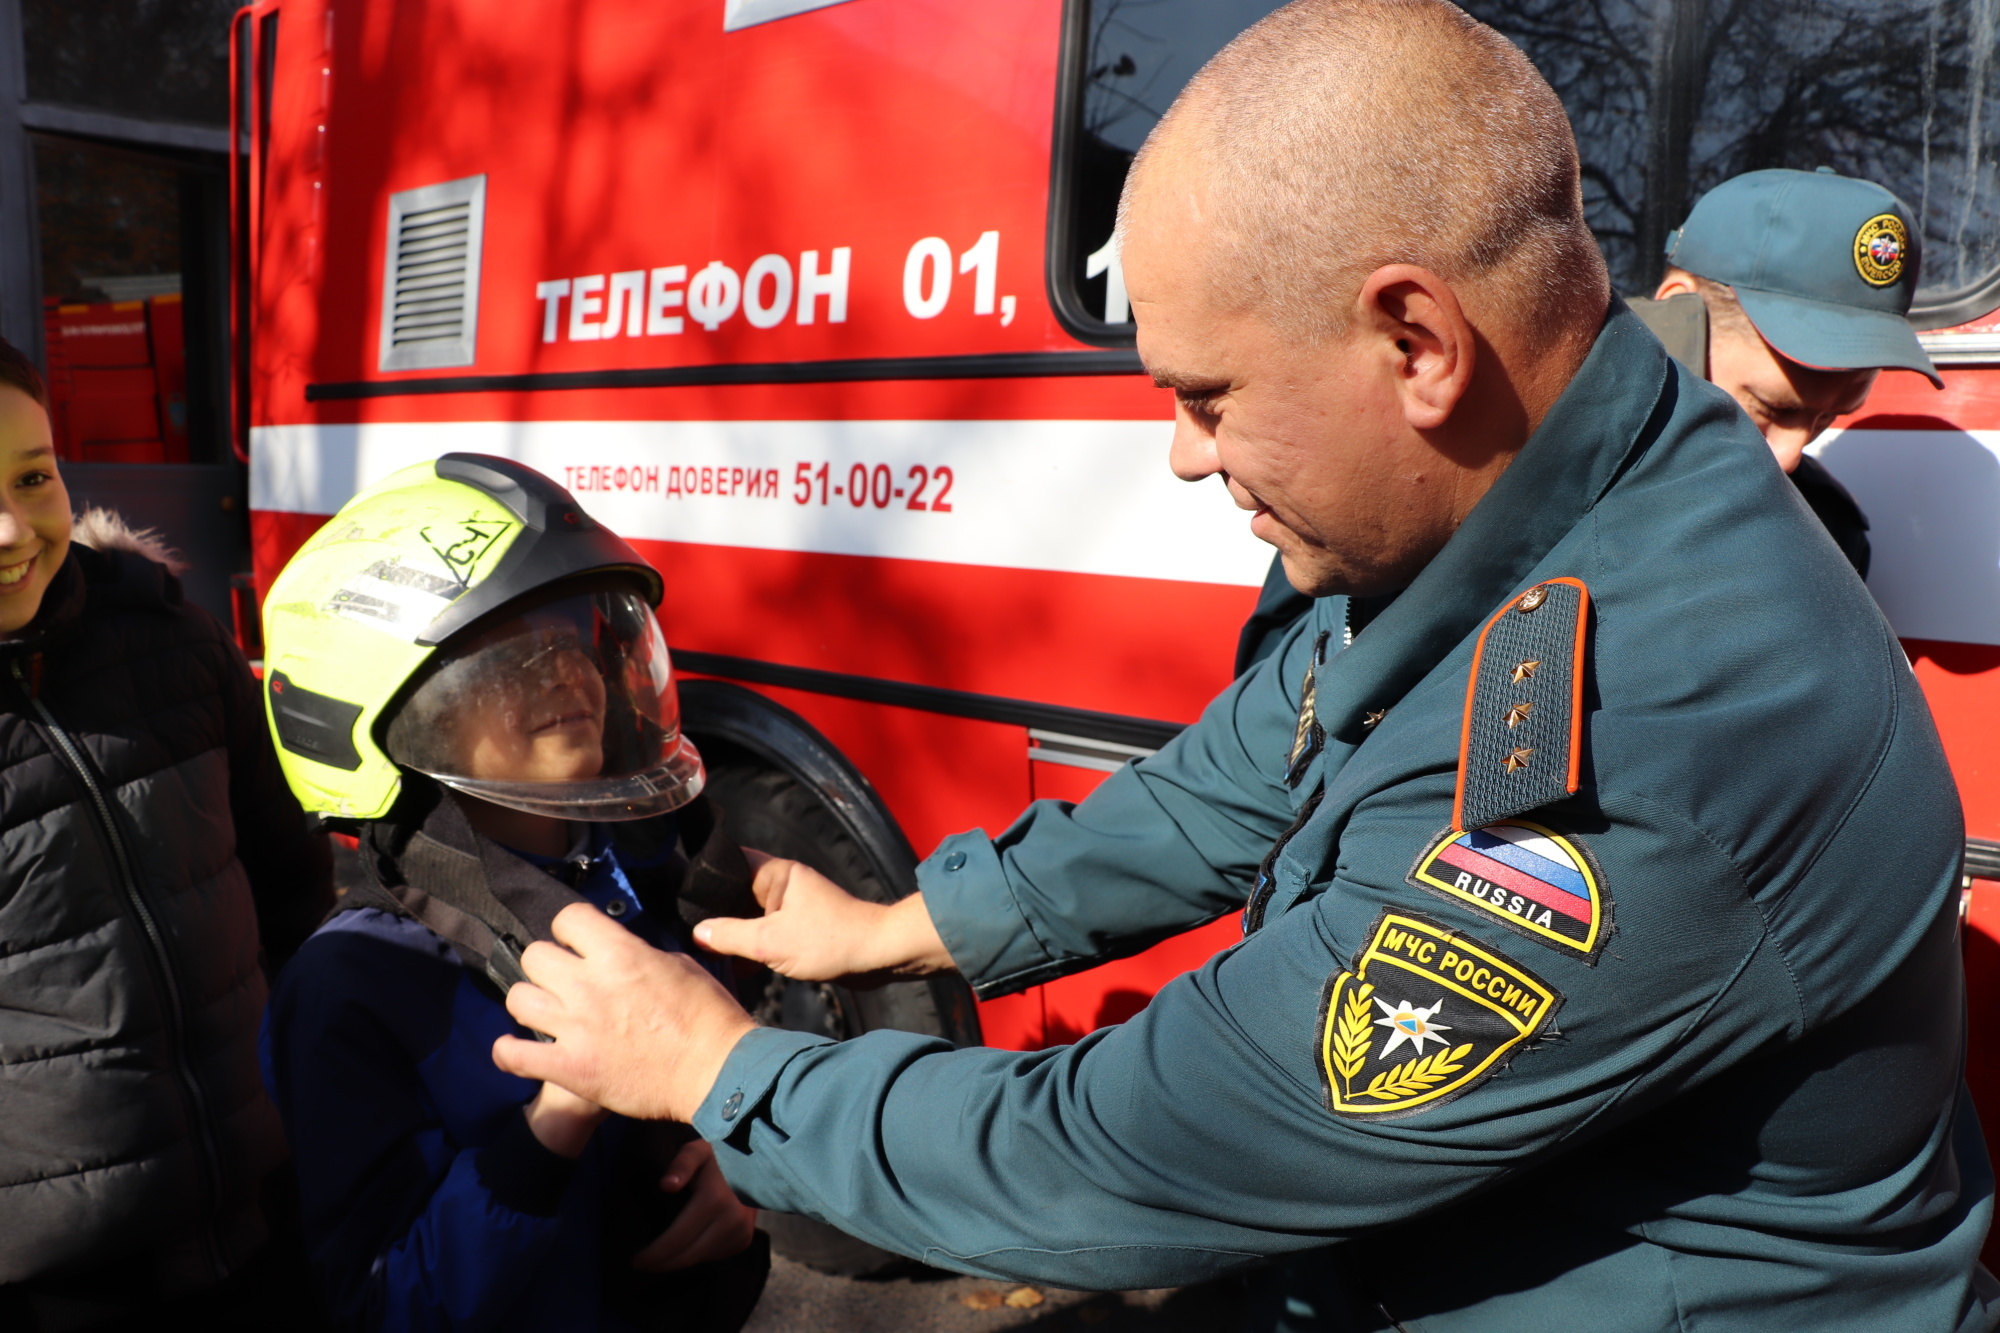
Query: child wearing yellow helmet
{"points": [[464, 670]]}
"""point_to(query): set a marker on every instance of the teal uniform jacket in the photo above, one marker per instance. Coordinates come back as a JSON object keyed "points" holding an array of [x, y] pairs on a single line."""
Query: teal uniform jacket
{"points": [[1680, 1050]]}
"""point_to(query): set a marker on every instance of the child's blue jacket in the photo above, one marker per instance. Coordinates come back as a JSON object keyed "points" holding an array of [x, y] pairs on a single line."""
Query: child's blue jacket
{"points": [[427, 1204]]}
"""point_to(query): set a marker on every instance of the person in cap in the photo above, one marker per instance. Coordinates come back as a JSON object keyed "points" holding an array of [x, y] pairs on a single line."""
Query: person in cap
{"points": [[1600, 965], [1789, 290], [465, 670]]}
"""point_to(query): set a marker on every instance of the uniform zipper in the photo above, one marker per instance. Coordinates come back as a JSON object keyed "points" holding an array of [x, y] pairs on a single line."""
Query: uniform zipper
{"points": [[155, 939]]}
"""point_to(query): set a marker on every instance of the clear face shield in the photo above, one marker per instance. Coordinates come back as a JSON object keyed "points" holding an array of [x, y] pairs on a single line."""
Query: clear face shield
{"points": [[567, 709]]}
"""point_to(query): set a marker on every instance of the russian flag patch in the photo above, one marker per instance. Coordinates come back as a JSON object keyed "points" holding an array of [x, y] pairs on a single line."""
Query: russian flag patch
{"points": [[1528, 877]]}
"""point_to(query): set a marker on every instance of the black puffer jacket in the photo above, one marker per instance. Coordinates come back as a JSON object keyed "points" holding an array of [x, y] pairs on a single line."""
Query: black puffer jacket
{"points": [[145, 832]]}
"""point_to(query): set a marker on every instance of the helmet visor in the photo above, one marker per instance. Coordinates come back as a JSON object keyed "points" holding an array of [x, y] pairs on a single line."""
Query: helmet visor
{"points": [[565, 709]]}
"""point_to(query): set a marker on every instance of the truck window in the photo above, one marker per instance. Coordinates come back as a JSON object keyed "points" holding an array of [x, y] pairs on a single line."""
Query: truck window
{"points": [[1668, 99], [1125, 61], [131, 57], [1671, 97]]}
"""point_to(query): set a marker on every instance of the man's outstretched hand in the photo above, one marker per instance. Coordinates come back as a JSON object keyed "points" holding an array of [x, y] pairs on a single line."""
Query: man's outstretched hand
{"points": [[637, 1031], [814, 930]]}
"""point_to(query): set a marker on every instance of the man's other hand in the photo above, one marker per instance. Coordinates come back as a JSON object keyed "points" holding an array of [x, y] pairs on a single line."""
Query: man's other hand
{"points": [[814, 930], [713, 1223], [637, 1031]]}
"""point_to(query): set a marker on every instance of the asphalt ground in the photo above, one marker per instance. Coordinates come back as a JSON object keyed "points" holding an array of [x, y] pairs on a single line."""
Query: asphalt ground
{"points": [[924, 1300]]}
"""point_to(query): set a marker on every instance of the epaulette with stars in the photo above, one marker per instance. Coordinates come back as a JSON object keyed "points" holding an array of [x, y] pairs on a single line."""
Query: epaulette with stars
{"points": [[1522, 745]]}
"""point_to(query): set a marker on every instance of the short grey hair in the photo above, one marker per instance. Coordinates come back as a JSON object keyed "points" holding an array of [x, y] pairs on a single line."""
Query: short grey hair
{"points": [[1337, 136], [1725, 309]]}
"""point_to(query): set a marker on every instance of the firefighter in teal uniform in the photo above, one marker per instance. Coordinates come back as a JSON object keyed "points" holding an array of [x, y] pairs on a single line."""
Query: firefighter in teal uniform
{"points": [[1599, 891]]}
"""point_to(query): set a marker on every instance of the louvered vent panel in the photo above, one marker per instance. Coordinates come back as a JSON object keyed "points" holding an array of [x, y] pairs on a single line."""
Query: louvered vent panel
{"points": [[430, 289]]}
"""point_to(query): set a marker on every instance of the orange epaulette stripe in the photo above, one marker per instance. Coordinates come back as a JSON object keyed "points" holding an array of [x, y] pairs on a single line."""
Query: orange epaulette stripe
{"points": [[1521, 742]]}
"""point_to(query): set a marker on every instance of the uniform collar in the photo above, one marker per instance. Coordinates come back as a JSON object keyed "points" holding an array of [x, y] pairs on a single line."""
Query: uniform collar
{"points": [[1612, 410]]}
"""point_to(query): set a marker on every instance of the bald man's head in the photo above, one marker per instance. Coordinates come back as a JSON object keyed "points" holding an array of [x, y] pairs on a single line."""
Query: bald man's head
{"points": [[1338, 136], [1355, 250]]}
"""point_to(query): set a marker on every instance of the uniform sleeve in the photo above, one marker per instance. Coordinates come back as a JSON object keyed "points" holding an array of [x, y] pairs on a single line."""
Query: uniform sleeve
{"points": [[406, 1228], [1160, 847], [290, 868], [1198, 1137]]}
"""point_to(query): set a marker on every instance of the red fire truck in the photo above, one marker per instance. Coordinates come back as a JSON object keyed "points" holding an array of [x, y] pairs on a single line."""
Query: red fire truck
{"points": [[815, 301]]}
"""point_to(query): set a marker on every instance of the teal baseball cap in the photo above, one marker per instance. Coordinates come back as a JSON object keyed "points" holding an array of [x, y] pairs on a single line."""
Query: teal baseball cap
{"points": [[1824, 264]]}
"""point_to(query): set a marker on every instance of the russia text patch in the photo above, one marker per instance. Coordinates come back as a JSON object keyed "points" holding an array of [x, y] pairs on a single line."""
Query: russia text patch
{"points": [[1528, 877], [1424, 1015]]}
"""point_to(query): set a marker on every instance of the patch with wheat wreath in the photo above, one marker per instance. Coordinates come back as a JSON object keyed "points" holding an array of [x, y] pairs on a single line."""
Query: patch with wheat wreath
{"points": [[1424, 1014]]}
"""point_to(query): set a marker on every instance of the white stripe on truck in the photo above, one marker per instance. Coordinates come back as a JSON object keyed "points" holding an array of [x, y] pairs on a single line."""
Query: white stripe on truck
{"points": [[1086, 497], [1933, 503]]}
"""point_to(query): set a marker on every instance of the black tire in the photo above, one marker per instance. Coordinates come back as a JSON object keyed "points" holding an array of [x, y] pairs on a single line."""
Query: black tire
{"points": [[769, 809]]}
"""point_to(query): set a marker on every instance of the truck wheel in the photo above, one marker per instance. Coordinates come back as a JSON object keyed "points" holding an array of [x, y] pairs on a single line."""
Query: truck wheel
{"points": [[771, 809]]}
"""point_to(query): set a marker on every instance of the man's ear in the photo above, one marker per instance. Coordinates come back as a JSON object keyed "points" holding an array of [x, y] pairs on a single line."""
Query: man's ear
{"points": [[1418, 313], [1678, 282]]}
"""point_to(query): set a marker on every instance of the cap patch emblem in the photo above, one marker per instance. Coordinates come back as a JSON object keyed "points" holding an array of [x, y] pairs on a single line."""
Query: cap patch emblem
{"points": [[1526, 876], [1880, 248], [1423, 1015]]}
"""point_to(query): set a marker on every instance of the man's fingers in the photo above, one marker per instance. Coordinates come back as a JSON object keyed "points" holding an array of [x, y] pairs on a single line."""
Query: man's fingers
{"points": [[638, 1031], [585, 930], [714, 1224], [732, 935], [551, 966], [670, 1248], [537, 1060], [687, 1164], [534, 1007], [722, 1236], [768, 885]]}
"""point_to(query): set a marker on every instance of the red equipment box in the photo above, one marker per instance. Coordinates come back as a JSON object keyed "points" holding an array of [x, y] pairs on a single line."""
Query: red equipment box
{"points": [[118, 381]]}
